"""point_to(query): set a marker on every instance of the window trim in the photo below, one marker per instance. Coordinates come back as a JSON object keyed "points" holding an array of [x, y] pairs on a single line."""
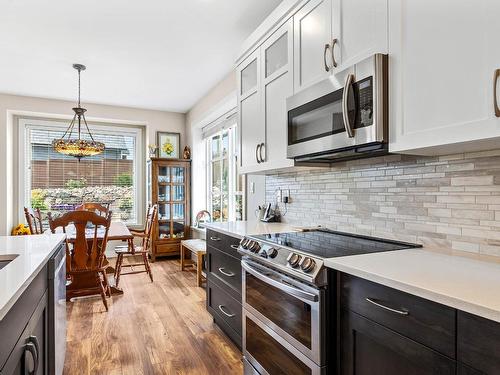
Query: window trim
{"points": [[232, 158], [24, 175]]}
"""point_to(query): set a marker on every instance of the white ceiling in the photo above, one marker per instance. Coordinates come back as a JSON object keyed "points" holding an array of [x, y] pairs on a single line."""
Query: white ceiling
{"points": [[158, 54]]}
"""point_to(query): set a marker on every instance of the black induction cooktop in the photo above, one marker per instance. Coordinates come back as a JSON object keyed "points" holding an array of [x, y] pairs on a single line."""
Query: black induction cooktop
{"points": [[327, 243]]}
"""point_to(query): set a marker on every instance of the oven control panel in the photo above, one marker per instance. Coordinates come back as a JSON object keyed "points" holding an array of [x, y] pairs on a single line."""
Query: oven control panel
{"points": [[285, 259]]}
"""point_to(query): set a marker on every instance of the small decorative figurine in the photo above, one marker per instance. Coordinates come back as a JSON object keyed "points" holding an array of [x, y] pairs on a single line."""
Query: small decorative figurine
{"points": [[187, 153]]}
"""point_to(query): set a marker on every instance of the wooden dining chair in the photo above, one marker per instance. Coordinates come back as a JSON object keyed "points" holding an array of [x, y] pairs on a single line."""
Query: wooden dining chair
{"points": [[85, 254], [99, 208], [146, 237], [34, 219]]}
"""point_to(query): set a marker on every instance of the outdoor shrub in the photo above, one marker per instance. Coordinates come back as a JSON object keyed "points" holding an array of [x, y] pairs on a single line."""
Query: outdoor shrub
{"points": [[38, 199], [124, 179], [76, 184], [126, 204]]}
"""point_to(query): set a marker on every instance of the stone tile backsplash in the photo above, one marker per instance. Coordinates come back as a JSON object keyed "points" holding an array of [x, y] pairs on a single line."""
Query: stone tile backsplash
{"points": [[447, 201]]}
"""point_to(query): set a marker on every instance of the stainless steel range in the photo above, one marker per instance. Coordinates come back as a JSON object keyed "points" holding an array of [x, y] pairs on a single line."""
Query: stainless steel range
{"points": [[288, 323]]}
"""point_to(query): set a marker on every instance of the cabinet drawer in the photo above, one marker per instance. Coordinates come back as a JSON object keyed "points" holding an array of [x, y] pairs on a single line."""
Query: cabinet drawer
{"points": [[478, 343], [223, 242], [224, 267], [224, 306], [168, 248], [419, 319], [368, 348]]}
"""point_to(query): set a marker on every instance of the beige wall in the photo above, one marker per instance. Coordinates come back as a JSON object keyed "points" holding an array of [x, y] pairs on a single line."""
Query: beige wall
{"points": [[12, 105]]}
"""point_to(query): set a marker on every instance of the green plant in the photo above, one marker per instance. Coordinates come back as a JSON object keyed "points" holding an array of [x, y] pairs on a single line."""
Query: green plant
{"points": [[124, 179], [126, 204], [38, 199], [76, 184]]}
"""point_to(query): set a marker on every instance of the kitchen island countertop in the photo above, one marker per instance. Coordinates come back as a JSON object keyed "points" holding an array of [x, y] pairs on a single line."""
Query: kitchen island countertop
{"points": [[240, 229], [33, 252]]}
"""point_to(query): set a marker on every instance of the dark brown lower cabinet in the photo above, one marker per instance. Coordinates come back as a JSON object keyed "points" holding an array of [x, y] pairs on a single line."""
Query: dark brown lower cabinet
{"points": [[368, 348], [466, 370]]}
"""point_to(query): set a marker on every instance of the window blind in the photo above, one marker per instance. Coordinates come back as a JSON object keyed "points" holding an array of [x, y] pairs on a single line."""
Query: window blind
{"points": [[223, 122], [59, 182]]}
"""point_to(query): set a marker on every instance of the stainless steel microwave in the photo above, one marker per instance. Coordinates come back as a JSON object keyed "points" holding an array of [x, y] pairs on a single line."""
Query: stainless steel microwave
{"points": [[342, 117]]}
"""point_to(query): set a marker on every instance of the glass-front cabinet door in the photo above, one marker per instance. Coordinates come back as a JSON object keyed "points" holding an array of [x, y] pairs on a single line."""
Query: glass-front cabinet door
{"points": [[172, 199]]}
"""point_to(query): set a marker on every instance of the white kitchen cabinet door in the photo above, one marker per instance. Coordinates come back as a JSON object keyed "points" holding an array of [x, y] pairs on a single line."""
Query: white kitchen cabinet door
{"points": [[312, 38], [251, 121], [277, 85], [443, 55], [360, 30]]}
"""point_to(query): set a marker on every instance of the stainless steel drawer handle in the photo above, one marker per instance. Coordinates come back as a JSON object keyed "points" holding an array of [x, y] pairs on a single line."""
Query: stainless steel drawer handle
{"points": [[221, 308], [257, 153], [228, 274], [327, 68], [214, 238], [235, 247], [334, 41], [262, 159], [400, 312], [495, 95]]}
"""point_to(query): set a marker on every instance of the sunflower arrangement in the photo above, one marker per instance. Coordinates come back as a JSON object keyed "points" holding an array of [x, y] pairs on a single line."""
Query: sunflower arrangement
{"points": [[168, 147], [21, 230]]}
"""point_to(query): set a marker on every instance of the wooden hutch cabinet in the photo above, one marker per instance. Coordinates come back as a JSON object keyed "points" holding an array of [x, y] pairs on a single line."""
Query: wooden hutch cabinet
{"points": [[169, 186]]}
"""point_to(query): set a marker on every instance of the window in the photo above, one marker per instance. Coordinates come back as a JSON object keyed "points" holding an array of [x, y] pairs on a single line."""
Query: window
{"points": [[225, 186], [57, 183]]}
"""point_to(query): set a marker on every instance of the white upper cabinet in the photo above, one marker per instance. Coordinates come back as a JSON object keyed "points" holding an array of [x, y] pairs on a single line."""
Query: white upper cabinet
{"points": [[262, 102], [359, 31], [251, 121], [312, 38], [277, 85], [443, 56]]}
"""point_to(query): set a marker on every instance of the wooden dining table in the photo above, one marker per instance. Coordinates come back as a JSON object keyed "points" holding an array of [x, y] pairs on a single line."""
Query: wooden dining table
{"points": [[118, 231]]}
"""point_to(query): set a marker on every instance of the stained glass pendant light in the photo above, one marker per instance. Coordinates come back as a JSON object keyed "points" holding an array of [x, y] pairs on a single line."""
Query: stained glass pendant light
{"points": [[78, 147]]}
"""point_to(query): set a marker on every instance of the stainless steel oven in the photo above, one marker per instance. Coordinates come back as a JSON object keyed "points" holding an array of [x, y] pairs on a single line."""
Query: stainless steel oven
{"points": [[344, 116], [283, 323]]}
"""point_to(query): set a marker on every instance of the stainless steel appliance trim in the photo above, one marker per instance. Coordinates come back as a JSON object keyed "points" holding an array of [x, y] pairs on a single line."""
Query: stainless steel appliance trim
{"points": [[334, 62], [399, 312], [345, 96], [315, 369], [306, 296], [228, 274], [371, 134], [317, 351], [495, 95], [221, 308]]}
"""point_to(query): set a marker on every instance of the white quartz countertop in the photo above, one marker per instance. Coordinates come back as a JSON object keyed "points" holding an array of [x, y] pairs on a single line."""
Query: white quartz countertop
{"points": [[33, 253], [460, 281], [244, 228]]}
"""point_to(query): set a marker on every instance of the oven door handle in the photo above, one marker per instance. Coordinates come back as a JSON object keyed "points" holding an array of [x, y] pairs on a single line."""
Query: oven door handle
{"points": [[286, 288]]}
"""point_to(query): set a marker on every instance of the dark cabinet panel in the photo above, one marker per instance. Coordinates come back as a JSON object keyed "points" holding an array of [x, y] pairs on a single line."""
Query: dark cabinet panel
{"points": [[369, 348], [14, 323], [478, 343], [424, 321], [30, 353], [225, 268], [226, 311], [223, 242], [466, 370]]}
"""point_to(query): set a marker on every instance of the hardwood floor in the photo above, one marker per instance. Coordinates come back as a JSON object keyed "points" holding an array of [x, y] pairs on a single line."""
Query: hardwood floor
{"points": [[154, 328]]}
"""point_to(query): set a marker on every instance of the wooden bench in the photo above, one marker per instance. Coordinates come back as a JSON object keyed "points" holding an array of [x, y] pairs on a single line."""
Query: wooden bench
{"points": [[198, 247]]}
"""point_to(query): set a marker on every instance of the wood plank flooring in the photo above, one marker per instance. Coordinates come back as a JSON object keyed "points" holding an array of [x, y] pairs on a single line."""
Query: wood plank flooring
{"points": [[154, 328]]}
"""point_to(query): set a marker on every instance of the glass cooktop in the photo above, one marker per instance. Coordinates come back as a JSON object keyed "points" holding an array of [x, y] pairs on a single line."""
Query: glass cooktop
{"points": [[326, 243]]}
